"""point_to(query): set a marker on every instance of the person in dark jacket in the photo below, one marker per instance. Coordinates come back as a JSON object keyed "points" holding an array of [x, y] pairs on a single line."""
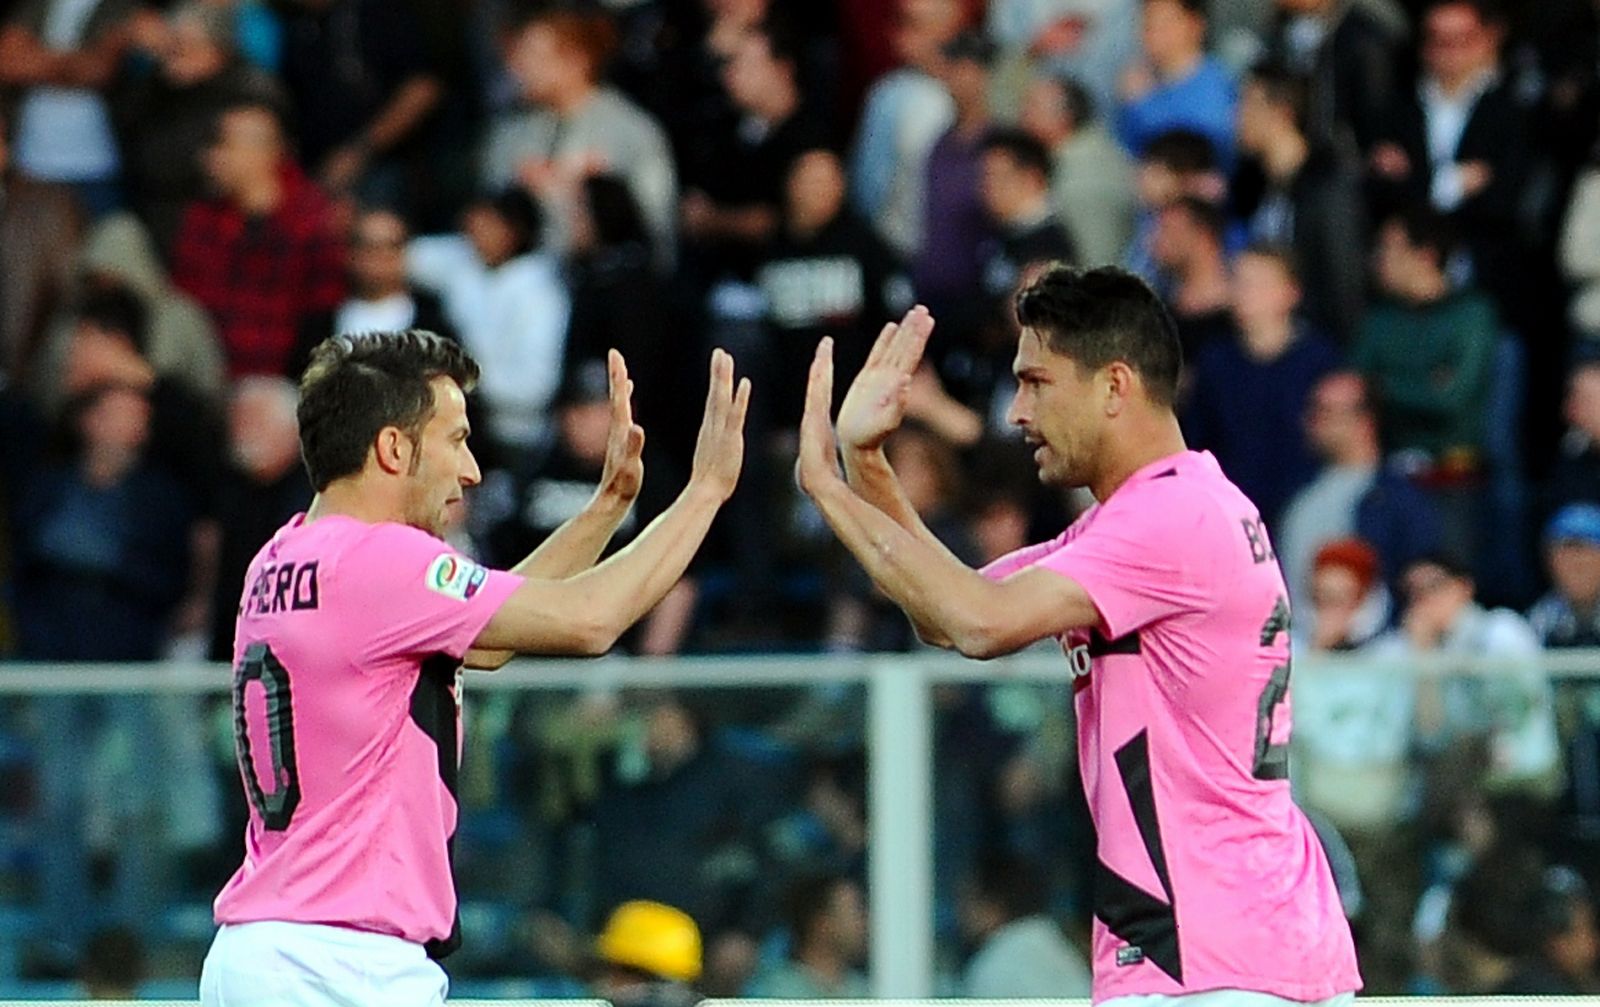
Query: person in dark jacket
{"points": [[1296, 191], [1350, 60]]}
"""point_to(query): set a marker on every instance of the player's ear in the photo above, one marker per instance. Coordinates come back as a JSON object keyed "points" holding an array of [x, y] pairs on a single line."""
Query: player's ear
{"points": [[392, 450], [1120, 384]]}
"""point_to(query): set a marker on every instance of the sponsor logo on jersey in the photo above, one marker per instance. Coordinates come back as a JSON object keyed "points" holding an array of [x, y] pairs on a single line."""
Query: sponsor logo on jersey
{"points": [[455, 577]]}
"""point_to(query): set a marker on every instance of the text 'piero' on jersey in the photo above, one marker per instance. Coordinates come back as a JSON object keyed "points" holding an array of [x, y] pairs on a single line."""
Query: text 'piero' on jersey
{"points": [[282, 587]]}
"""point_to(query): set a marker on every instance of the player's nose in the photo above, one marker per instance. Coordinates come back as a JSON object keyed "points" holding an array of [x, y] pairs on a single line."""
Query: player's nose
{"points": [[470, 474]]}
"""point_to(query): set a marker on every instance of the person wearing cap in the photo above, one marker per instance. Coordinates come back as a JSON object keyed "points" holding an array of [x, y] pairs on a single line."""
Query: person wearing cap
{"points": [[648, 955], [1569, 616]]}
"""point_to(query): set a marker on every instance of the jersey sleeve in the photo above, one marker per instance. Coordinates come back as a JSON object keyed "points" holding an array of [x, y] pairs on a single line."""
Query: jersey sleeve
{"points": [[417, 595], [1140, 563], [1021, 559]]}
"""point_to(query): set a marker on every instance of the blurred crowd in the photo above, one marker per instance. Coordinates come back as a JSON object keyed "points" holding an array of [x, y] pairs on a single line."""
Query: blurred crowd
{"points": [[1377, 226]]}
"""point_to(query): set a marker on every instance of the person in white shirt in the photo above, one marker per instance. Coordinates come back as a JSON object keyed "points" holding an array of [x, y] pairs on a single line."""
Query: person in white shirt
{"points": [[509, 305]]}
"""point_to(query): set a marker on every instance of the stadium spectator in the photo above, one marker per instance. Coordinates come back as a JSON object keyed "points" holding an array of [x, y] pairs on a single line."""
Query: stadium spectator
{"points": [[167, 115], [263, 486], [1187, 247], [827, 929], [505, 298], [380, 298], [734, 180], [1173, 84], [828, 274], [1460, 141], [1014, 182], [1569, 616], [1348, 52], [1091, 183], [1354, 494], [1088, 40], [1580, 252], [1261, 379], [649, 956], [577, 126], [102, 539], [1426, 349], [1179, 163], [1576, 474], [1303, 195], [1021, 952], [375, 55], [1509, 707], [946, 271], [40, 228], [1349, 604], [261, 254], [1565, 957], [106, 343], [906, 111], [620, 301], [180, 341], [62, 56]]}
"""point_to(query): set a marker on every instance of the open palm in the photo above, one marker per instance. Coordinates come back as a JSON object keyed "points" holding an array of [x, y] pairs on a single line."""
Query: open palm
{"points": [[876, 402]]}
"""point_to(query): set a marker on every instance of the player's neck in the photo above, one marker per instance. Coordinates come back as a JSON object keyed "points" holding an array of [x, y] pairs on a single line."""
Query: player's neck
{"points": [[1148, 439], [348, 498]]}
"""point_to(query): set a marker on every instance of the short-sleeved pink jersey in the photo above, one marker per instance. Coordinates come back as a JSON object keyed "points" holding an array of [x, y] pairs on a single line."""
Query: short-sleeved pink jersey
{"points": [[346, 706], [1209, 876]]}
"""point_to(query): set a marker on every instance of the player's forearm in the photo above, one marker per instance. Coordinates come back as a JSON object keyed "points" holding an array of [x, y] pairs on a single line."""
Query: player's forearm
{"points": [[577, 544], [941, 595], [873, 479], [625, 587]]}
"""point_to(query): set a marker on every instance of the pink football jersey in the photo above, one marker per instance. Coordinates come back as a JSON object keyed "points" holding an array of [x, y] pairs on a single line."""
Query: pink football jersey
{"points": [[346, 706], [1209, 876]]}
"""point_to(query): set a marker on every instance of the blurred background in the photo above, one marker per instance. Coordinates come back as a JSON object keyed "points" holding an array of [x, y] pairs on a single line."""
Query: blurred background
{"points": [[1376, 223]]}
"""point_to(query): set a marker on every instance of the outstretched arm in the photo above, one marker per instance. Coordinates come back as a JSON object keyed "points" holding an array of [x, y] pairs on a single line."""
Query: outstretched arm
{"points": [[576, 545], [951, 604], [585, 614], [874, 408]]}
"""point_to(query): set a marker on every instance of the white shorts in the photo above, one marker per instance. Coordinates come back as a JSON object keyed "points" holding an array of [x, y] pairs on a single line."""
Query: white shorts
{"points": [[309, 965], [1225, 998]]}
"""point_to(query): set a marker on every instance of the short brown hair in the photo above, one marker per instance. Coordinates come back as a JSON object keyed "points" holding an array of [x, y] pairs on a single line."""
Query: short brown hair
{"points": [[356, 385]]}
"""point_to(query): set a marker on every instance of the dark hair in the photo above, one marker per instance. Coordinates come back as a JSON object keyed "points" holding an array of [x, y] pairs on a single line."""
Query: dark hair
{"points": [[782, 44], [1103, 315], [1183, 151], [1076, 100], [1453, 565], [1206, 215], [1284, 87], [616, 215], [1283, 255], [522, 214], [1025, 152], [115, 308], [1426, 227], [807, 900], [1014, 884], [356, 385]]}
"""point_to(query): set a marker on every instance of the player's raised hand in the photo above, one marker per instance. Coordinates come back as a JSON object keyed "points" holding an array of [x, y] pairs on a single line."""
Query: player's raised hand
{"points": [[819, 452], [624, 466], [719, 450], [876, 402]]}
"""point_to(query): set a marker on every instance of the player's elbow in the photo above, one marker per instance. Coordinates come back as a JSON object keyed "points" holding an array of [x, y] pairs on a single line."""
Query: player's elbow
{"points": [[594, 635]]}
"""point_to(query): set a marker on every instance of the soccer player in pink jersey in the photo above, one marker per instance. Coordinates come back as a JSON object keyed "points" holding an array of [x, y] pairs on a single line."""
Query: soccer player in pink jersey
{"points": [[1166, 598], [354, 624]]}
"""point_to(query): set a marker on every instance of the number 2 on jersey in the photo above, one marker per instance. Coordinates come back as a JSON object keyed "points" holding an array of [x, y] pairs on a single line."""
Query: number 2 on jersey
{"points": [[275, 806], [1271, 759]]}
